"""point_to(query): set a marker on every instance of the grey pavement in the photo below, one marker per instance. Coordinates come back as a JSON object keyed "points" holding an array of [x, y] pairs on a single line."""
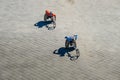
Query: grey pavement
{"points": [[26, 51]]}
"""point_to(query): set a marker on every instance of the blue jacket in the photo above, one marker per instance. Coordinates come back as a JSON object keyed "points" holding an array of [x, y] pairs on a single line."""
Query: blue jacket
{"points": [[69, 38]]}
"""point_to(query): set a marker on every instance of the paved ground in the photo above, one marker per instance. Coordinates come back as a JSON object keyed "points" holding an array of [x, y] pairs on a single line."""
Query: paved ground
{"points": [[26, 51]]}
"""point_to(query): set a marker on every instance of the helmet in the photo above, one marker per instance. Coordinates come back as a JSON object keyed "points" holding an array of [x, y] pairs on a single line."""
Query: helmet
{"points": [[47, 11], [65, 37]]}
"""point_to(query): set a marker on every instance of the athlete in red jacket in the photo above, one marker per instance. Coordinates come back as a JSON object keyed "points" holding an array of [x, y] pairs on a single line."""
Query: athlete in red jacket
{"points": [[49, 14]]}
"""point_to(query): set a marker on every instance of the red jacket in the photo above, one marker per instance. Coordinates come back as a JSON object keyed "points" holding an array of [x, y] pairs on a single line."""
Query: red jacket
{"points": [[48, 13]]}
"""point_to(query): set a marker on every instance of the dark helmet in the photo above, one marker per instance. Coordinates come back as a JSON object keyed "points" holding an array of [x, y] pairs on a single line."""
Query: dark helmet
{"points": [[65, 37]]}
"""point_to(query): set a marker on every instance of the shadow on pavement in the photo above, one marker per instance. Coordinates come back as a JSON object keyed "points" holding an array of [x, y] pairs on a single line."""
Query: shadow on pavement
{"points": [[62, 51], [41, 24]]}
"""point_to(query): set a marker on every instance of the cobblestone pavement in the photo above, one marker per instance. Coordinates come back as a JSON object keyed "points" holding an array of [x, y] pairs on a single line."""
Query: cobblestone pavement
{"points": [[26, 50]]}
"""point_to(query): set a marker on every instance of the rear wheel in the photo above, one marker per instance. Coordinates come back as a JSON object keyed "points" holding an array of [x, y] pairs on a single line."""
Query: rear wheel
{"points": [[53, 19], [66, 44], [45, 17], [74, 44]]}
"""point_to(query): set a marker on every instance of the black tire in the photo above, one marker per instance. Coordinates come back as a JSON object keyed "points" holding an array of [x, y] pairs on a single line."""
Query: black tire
{"points": [[66, 44], [74, 44], [53, 19], [45, 17]]}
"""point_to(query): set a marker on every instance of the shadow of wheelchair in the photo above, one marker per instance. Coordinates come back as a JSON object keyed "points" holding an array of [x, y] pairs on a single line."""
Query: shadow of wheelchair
{"points": [[47, 24], [62, 51]]}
